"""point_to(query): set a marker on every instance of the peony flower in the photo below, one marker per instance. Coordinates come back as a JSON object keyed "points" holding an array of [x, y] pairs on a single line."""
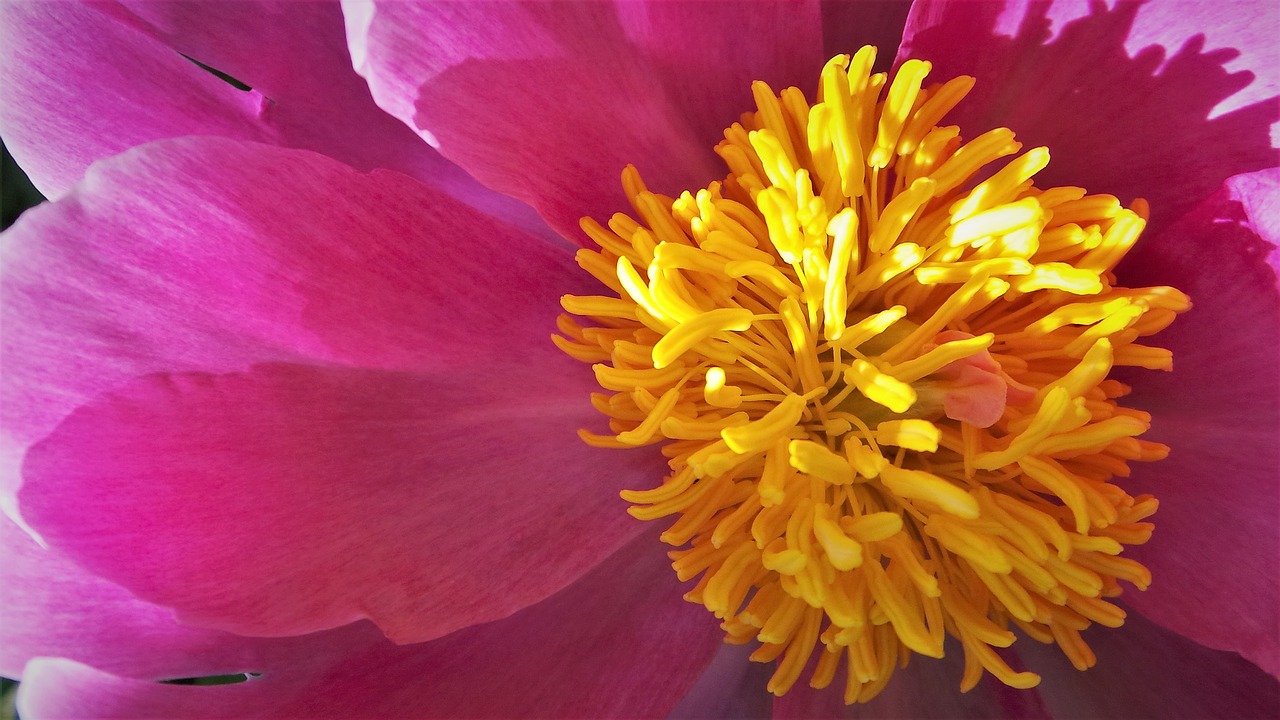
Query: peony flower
{"points": [[280, 403]]}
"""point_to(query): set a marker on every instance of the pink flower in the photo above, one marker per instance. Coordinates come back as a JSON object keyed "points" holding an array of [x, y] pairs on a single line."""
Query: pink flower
{"points": [[279, 398]]}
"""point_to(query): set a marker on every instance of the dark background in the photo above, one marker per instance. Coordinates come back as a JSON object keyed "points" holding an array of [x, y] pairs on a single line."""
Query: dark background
{"points": [[19, 194]]}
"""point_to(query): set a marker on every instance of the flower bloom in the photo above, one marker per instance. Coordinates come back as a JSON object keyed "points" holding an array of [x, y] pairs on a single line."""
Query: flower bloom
{"points": [[279, 397]]}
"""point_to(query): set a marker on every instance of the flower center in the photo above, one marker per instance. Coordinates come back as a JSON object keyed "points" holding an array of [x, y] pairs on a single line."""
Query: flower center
{"points": [[881, 383]]}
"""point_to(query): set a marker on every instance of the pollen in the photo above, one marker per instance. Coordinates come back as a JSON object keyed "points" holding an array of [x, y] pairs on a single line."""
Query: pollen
{"points": [[877, 359]]}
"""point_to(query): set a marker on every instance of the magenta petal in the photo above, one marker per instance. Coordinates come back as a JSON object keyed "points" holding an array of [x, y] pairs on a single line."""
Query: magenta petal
{"points": [[290, 499], [127, 82], [619, 643], [622, 642], [1213, 556], [1120, 113], [732, 687], [56, 688], [708, 54], [207, 254], [295, 54], [847, 26], [212, 255], [549, 102], [1145, 672], [51, 606], [60, 110]]}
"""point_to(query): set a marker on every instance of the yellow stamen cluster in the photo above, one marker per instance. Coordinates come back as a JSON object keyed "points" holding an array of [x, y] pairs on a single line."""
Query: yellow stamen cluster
{"points": [[781, 335]]}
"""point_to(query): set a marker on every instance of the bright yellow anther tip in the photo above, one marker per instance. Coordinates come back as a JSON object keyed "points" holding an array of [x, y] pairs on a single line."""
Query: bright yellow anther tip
{"points": [[927, 487], [875, 526], [784, 561], [816, 460], [880, 387], [760, 434], [912, 434], [688, 335], [843, 552]]}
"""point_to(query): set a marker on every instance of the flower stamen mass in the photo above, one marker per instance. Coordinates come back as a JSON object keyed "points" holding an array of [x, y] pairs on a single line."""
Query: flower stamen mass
{"points": [[879, 372]]}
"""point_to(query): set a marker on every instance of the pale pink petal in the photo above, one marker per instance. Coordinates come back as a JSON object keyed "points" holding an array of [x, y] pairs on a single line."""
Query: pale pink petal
{"points": [[1249, 28], [126, 82], [927, 689], [1145, 672], [1214, 553], [619, 643], [1259, 196], [209, 254], [1127, 100], [549, 102]]}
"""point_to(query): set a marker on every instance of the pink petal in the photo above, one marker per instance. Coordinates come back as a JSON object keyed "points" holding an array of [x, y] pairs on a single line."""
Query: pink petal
{"points": [[211, 255], [619, 643], [125, 83], [294, 498], [1249, 30], [927, 689], [1145, 671], [731, 687], [847, 26], [706, 55], [207, 254], [1213, 556], [61, 110], [1125, 99], [1259, 196], [51, 606], [548, 103]]}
